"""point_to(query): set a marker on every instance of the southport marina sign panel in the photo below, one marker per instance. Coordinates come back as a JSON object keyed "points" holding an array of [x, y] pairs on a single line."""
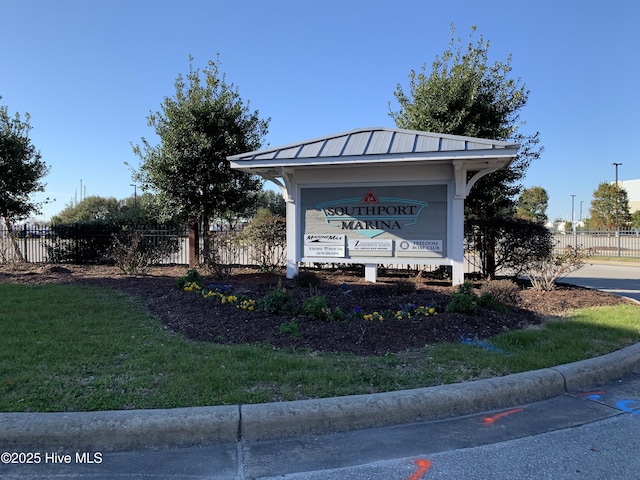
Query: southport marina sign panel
{"points": [[385, 221]]}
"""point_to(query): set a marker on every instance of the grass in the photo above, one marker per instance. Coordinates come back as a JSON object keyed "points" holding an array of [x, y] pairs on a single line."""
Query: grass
{"points": [[69, 348]]}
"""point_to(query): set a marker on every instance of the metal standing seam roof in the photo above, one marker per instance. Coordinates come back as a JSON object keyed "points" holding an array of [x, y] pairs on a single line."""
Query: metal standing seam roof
{"points": [[379, 141]]}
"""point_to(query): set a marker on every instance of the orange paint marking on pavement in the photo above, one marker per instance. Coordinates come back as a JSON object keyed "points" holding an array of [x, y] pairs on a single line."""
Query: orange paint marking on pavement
{"points": [[423, 466], [584, 394], [495, 418]]}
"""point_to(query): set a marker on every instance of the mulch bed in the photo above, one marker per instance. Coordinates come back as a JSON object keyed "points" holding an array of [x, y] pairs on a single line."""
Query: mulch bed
{"points": [[207, 320]]}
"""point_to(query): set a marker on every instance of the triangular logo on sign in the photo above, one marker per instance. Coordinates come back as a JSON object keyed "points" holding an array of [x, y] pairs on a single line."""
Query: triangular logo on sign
{"points": [[370, 198]]}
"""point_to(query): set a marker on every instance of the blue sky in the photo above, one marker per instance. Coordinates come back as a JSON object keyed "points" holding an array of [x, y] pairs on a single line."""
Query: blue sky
{"points": [[89, 73]]}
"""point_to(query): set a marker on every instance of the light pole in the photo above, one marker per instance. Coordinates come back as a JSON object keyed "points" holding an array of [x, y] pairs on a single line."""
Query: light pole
{"points": [[573, 223], [135, 198], [617, 206], [581, 202]]}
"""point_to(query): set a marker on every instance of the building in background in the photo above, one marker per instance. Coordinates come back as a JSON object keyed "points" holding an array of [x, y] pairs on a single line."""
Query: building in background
{"points": [[633, 193]]}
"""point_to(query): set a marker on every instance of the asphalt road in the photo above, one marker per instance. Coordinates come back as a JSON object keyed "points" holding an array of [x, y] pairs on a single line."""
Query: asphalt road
{"points": [[588, 434], [620, 279]]}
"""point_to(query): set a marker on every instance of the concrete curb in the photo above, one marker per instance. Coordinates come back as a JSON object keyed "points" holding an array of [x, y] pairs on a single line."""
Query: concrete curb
{"points": [[144, 429]]}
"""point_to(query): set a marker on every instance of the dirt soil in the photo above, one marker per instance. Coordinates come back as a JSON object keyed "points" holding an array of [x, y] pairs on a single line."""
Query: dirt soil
{"points": [[208, 320]]}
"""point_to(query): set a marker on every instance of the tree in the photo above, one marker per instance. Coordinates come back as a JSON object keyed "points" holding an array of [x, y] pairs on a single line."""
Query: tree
{"points": [[463, 95], [272, 201], [635, 219], [138, 209], [200, 126], [532, 205], [21, 170], [89, 209], [609, 207]]}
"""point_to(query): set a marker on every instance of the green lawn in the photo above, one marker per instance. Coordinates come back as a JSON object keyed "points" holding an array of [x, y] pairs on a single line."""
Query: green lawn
{"points": [[69, 348]]}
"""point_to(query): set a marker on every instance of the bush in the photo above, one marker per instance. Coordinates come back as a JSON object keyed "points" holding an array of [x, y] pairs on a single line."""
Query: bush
{"points": [[487, 300], [316, 308], [291, 328], [220, 253], [466, 301], [462, 302], [267, 234], [504, 291], [505, 242], [134, 253], [276, 301], [82, 243], [544, 273], [192, 277], [306, 279], [403, 287]]}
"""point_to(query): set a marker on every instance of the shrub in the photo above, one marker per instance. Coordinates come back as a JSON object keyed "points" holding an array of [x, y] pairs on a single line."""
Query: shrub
{"points": [[220, 252], [504, 291], [267, 234], [82, 243], [306, 279], [403, 287], [505, 242], [291, 328], [463, 301], [487, 300], [192, 277], [276, 301], [544, 273], [316, 308], [134, 253]]}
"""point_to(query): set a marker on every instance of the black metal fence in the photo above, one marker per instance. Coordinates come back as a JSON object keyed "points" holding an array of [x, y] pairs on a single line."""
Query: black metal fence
{"points": [[82, 243], [89, 244]]}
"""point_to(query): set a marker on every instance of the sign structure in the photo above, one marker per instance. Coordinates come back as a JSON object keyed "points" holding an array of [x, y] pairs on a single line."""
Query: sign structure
{"points": [[408, 221], [378, 195]]}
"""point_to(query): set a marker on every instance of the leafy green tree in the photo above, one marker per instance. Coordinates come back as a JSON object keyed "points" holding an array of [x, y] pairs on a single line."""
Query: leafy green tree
{"points": [[203, 123], [89, 209], [21, 171], [609, 207], [635, 219], [21, 168], [134, 210], [272, 201], [532, 205], [464, 95]]}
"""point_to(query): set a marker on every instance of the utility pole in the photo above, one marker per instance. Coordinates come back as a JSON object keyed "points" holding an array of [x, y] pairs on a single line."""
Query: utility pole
{"points": [[617, 207]]}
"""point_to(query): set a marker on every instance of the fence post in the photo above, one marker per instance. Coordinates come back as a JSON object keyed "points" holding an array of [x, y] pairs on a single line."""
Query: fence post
{"points": [[24, 242]]}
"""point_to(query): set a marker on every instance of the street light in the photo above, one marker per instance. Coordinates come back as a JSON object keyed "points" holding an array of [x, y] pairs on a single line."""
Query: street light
{"points": [[617, 206], [573, 223], [135, 197], [581, 202]]}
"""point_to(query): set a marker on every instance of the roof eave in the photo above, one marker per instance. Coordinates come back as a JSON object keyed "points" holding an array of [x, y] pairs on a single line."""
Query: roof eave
{"points": [[431, 157]]}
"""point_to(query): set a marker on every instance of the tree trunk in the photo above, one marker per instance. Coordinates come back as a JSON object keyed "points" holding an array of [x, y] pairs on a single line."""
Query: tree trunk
{"points": [[194, 246], [490, 253], [16, 247]]}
